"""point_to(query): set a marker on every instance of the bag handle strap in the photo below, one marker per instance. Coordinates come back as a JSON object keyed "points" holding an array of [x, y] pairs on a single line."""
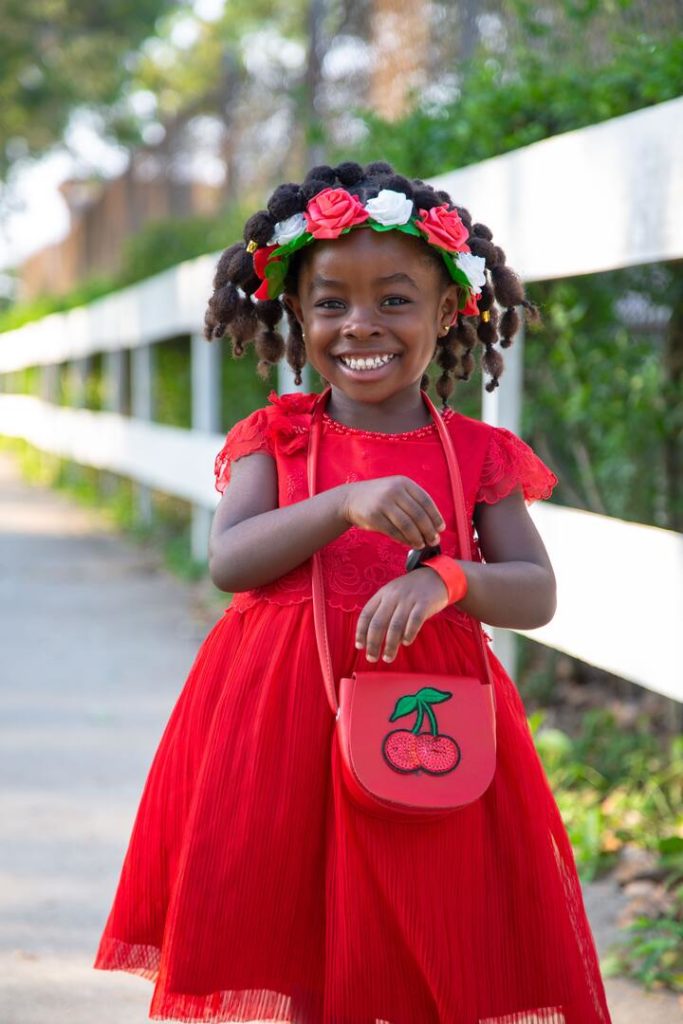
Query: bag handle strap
{"points": [[317, 582]]}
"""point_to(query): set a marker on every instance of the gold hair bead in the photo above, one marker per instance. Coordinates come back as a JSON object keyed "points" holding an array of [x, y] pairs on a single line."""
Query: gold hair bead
{"points": [[253, 246], [485, 316]]}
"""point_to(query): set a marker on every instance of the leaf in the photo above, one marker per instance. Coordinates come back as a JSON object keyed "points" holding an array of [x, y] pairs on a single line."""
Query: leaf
{"points": [[404, 706], [671, 844], [432, 696]]}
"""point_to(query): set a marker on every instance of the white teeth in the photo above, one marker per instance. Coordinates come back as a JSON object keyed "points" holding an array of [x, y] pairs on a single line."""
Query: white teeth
{"points": [[372, 363]]}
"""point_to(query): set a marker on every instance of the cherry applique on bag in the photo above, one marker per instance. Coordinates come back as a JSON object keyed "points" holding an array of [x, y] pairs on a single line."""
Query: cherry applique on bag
{"points": [[409, 750]]}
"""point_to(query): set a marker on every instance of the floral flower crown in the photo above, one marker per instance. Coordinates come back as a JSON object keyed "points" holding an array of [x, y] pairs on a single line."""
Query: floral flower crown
{"points": [[334, 212]]}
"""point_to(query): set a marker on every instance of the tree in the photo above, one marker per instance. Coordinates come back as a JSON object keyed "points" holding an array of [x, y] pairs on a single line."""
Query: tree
{"points": [[57, 56]]}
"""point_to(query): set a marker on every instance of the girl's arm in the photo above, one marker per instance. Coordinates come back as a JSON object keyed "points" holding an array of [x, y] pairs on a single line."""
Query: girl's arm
{"points": [[254, 542], [516, 588]]}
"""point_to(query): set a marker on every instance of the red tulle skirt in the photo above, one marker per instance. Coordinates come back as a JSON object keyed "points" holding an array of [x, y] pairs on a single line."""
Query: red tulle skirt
{"points": [[253, 890]]}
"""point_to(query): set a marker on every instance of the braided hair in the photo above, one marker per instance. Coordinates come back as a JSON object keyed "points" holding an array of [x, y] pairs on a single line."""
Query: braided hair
{"points": [[231, 305]]}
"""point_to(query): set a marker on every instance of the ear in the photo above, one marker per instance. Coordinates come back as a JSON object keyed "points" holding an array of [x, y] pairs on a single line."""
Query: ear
{"points": [[448, 303], [294, 303]]}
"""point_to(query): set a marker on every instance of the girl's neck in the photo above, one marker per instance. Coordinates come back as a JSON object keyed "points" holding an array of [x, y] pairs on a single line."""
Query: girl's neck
{"points": [[400, 412]]}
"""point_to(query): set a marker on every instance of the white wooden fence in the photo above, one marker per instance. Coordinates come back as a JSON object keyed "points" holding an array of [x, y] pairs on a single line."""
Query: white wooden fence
{"points": [[591, 200]]}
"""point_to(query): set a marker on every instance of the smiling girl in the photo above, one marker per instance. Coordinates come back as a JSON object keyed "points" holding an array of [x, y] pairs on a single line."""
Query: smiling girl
{"points": [[254, 889]]}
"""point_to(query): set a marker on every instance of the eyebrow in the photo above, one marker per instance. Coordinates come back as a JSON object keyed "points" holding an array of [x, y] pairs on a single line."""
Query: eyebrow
{"points": [[319, 281]]}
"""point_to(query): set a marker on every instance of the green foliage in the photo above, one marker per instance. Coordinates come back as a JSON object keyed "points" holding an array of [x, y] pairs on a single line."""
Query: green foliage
{"points": [[603, 406], [172, 383], [165, 243], [499, 107], [613, 787], [22, 313], [53, 54], [652, 952]]}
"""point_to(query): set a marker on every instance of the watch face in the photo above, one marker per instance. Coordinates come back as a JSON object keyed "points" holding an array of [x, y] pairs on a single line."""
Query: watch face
{"points": [[416, 556]]}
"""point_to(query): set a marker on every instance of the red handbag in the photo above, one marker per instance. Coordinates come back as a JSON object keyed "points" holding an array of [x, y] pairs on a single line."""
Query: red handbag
{"points": [[414, 745]]}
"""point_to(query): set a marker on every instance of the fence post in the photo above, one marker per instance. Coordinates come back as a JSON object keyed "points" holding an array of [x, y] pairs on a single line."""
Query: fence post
{"points": [[80, 368], [503, 408], [205, 362], [141, 369], [114, 367], [49, 383]]}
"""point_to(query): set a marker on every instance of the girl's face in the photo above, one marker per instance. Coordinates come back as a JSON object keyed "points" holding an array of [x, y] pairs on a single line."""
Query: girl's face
{"points": [[371, 306]]}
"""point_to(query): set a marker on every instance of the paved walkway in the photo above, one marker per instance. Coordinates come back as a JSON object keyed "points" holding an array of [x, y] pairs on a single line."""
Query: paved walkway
{"points": [[96, 642]]}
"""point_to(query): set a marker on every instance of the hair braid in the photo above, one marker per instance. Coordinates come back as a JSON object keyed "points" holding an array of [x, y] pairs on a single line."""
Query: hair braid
{"points": [[447, 359], [466, 339], [295, 348]]}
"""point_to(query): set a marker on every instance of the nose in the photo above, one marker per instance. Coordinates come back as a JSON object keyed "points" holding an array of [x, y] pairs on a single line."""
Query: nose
{"points": [[361, 324]]}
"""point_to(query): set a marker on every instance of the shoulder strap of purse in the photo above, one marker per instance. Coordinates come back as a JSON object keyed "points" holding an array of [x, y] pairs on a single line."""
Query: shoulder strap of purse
{"points": [[463, 533]]}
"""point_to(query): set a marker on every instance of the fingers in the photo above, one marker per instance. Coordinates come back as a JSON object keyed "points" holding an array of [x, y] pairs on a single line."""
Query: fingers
{"points": [[430, 515], [391, 622], [414, 518], [423, 530]]}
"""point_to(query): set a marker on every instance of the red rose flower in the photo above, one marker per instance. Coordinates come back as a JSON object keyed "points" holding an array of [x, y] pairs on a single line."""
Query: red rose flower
{"points": [[261, 293], [471, 307], [444, 228], [260, 258], [333, 210]]}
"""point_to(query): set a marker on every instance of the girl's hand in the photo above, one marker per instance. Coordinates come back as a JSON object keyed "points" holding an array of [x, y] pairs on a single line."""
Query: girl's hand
{"points": [[395, 506], [398, 610]]}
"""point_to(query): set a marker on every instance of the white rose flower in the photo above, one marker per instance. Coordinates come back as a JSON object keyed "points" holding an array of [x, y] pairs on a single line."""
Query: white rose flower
{"points": [[287, 230], [390, 207], [473, 267]]}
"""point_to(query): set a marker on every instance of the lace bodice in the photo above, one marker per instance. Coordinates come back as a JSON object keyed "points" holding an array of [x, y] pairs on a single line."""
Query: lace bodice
{"points": [[493, 463]]}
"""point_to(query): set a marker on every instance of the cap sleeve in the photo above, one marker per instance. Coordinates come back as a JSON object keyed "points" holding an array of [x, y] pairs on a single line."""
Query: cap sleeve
{"points": [[509, 464], [246, 437]]}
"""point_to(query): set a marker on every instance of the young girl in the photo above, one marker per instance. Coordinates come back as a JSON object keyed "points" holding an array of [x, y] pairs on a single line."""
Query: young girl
{"points": [[254, 888]]}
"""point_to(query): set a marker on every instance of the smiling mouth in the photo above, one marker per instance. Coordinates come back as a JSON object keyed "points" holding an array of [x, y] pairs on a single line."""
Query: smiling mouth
{"points": [[366, 362]]}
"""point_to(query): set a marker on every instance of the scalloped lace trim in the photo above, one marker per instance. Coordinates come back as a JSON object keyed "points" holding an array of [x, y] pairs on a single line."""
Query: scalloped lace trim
{"points": [[511, 464]]}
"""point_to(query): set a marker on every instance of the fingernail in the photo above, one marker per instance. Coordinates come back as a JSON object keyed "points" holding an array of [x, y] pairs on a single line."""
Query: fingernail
{"points": [[359, 645], [371, 657], [386, 657]]}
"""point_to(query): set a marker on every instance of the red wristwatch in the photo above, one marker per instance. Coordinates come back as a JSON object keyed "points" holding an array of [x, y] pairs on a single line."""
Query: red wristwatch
{"points": [[452, 573]]}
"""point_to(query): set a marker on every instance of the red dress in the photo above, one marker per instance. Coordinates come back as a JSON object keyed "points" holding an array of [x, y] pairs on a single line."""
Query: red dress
{"points": [[253, 890]]}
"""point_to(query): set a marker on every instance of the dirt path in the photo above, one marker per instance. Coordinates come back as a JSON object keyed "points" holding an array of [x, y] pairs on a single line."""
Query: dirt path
{"points": [[96, 642]]}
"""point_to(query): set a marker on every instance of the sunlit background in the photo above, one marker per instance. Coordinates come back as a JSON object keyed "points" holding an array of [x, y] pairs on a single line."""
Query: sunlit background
{"points": [[136, 137]]}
